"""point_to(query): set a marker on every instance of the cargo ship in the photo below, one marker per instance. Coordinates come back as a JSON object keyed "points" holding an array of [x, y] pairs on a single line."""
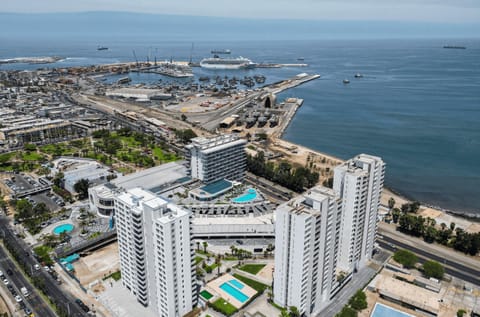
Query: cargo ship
{"points": [[455, 47]]}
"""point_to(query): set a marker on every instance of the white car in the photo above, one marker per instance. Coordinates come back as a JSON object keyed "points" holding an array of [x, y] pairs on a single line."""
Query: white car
{"points": [[5, 281], [37, 267], [18, 298]]}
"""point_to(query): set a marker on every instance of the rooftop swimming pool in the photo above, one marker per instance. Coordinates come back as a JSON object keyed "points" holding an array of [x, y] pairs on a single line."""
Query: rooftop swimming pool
{"points": [[381, 310], [66, 227], [250, 195], [234, 292]]}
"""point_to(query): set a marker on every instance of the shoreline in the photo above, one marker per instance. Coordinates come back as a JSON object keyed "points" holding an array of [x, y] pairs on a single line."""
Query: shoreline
{"points": [[468, 215], [428, 209]]}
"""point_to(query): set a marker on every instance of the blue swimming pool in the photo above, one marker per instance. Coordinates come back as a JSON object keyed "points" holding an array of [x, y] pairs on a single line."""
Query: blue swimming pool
{"points": [[67, 227], [236, 283], [381, 310], [250, 195], [235, 293]]}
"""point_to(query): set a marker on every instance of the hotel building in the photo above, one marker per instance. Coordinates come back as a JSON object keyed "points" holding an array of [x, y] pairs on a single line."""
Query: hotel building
{"points": [[216, 158]]}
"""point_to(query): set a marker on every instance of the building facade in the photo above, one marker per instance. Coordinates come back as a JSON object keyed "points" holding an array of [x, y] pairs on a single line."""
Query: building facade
{"points": [[156, 252], [219, 157], [359, 183], [307, 232]]}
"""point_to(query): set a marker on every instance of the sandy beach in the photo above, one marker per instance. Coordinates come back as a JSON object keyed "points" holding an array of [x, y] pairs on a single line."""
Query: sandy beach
{"points": [[325, 163]]}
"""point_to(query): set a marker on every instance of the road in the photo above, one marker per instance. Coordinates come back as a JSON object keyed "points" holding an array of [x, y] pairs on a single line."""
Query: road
{"points": [[451, 267], [17, 280], [50, 287], [358, 281]]}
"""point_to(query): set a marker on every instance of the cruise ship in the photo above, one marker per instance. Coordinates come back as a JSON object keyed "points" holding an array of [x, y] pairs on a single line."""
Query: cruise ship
{"points": [[217, 62]]}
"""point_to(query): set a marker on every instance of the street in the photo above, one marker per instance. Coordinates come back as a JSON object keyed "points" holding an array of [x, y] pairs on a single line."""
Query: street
{"points": [[49, 286], [17, 280], [451, 267]]}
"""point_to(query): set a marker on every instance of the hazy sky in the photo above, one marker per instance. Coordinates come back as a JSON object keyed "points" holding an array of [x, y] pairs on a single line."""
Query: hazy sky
{"points": [[456, 11]]}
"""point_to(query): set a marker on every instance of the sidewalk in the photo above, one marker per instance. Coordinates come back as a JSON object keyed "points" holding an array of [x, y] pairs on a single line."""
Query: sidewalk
{"points": [[73, 288]]}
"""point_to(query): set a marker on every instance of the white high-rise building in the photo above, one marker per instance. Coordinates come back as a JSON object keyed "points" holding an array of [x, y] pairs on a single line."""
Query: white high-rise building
{"points": [[359, 183], [156, 252], [216, 158], [307, 232]]}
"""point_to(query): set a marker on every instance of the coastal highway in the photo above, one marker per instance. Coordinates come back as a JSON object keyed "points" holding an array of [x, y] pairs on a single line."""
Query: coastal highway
{"points": [[452, 268], [17, 280]]}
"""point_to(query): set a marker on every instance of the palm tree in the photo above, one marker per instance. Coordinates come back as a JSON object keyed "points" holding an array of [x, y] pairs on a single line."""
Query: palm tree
{"points": [[219, 263], [452, 226], [205, 245], [294, 311], [232, 247], [284, 313], [198, 245], [443, 225]]}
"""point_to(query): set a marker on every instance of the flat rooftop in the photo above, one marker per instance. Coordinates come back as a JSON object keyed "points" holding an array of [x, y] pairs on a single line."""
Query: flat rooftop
{"points": [[153, 178]]}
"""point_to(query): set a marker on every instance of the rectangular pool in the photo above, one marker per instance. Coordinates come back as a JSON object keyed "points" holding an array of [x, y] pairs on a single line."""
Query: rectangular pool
{"points": [[236, 283], [381, 310], [235, 293]]}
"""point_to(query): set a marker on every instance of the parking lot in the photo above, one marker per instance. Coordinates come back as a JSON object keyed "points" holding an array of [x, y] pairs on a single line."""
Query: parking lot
{"points": [[21, 184]]}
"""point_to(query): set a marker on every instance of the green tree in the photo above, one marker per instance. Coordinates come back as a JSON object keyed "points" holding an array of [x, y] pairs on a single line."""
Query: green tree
{"points": [[184, 117], [391, 203], [58, 179], [396, 214], [293, 311], [29, 147], [358, 301], [433, 269], [284, 313], [205, 245], [81, 187], [461, 312], [347, 312], [406, 258]]}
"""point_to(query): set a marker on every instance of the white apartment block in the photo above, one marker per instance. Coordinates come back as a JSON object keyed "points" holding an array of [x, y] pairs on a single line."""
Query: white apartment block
{"points": [[156, 252], [219, 157], [359, 183], [307, 232]]}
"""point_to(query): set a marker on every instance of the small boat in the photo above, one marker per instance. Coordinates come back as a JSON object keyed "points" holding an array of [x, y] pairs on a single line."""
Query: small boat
{"points": [[301, 59], [455, 47], [222, 51], [102, 48], [358, 75], [346, 81]]}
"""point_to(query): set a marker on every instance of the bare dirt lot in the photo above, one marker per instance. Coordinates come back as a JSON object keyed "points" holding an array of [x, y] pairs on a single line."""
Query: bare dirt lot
{"points": [[98, 264]]}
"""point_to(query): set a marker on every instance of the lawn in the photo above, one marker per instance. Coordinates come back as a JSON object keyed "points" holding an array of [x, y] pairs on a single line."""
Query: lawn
{"points": [[32, 156], [223, 307], [252, 268], [115, 275], [163, 156], [205, 294], [198, 259], [259, 287]]}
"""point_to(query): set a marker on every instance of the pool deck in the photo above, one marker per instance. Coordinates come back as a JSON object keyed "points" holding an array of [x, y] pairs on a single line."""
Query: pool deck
{"points": [[214, 288], [49, 229]]}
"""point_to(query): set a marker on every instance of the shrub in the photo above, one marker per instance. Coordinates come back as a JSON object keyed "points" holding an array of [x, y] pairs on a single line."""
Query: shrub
{"points": [[406, 258]]}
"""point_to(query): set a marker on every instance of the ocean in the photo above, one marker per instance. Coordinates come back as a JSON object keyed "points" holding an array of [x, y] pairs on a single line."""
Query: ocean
{"points": [[417, 105]]}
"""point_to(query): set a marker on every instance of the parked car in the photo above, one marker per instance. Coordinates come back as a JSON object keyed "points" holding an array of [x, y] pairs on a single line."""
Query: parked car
{"points": [[18, 298]]}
